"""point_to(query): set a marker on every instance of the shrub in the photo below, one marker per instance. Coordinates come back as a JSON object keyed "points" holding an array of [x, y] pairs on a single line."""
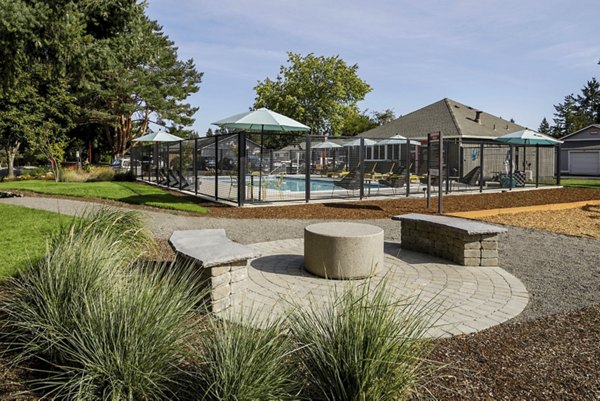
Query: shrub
{"points": [[242, 363], [105, 327], [364, 345], [125, 176], [68, 175], [125, 228], [101, 174]]}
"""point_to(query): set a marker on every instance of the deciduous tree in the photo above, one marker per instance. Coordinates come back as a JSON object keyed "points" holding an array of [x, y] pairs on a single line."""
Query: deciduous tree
{"points": [[321, 92]]}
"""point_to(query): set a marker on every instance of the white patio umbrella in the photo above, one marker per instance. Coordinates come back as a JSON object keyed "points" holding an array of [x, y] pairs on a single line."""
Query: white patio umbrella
{"points": [[528, 137], [397, 139], [262, 120], [326, 145], [159, 136], [356, 142]]}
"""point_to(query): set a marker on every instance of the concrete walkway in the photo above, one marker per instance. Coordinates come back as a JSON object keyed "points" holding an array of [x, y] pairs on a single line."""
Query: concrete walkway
{"points": [[457, 299]]}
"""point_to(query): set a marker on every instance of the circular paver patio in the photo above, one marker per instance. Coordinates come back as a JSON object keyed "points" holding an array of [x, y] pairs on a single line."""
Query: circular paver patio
{"points": [[460, 299]]}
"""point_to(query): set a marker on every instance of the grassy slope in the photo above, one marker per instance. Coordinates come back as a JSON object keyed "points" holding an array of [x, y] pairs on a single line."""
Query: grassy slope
{"points": [[24, 234], [128, 192]]}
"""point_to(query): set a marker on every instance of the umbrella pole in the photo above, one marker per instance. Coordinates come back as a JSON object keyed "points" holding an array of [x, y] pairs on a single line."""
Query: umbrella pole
{"points": [[260, 165]]}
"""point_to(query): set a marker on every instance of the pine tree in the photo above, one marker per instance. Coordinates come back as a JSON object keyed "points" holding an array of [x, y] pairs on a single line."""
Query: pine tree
{"points": [[544, 127]]}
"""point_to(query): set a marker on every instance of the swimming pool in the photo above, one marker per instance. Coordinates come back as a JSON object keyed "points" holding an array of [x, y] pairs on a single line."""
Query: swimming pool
{"points": [[298, 184]]}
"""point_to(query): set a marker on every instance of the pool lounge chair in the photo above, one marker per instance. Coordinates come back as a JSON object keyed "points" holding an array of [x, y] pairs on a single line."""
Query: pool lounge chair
{"points": [[393, 182], [350, 182]]}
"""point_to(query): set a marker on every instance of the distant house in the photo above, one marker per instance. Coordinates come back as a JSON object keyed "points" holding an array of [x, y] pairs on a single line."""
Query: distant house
{"points": [[580, 152], [465, 128]]}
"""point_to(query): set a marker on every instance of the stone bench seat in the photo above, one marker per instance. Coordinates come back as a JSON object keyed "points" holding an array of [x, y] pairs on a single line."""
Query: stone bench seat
{"points": [[466, 242], [223, 262]]}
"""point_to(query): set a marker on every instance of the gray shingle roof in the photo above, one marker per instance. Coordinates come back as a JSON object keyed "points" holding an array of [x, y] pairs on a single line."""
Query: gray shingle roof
{"points": [[454, 119]]}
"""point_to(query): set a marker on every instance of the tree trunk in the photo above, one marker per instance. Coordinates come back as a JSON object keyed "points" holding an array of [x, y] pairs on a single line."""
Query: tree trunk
{"points": [[11, 154]]}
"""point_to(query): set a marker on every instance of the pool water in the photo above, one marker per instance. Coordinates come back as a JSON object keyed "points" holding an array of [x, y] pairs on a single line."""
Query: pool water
{"points": [[294, 184]]}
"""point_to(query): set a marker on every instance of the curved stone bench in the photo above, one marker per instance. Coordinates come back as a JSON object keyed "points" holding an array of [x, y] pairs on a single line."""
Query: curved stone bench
{"points": [[342, 250], [223, 261], [466, 242]]}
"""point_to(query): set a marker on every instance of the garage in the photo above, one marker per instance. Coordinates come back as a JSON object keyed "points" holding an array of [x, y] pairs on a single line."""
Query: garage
{"points": [[584, 163]]}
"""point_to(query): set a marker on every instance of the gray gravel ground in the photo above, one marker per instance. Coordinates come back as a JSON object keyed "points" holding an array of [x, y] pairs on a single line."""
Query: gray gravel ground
{"points": [[562, 273]]}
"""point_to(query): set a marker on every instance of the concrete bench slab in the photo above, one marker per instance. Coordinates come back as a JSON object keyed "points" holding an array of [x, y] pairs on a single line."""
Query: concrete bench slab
{"points": [[210, 247], [223, 263], [467, 242]]}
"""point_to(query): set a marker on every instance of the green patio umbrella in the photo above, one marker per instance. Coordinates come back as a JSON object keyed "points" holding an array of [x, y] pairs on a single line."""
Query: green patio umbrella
{"points": [[159, 136], [528, 137], [261, 120]]}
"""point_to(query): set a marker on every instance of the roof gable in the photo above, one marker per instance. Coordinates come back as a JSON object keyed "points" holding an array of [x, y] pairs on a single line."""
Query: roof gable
{"points": [[591, 133], [454, 119]]}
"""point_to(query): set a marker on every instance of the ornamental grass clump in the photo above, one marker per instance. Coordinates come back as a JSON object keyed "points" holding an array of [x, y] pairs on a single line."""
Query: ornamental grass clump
{"points": [[246, 360], [97, 323], [364, 345]]}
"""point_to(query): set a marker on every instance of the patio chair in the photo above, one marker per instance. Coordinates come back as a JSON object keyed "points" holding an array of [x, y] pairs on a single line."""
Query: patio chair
{"points": [[338, 172], [183, 182], [373, 174], [350, 182], [470, 179], [172, 179], [393, 182], [163, 179]]}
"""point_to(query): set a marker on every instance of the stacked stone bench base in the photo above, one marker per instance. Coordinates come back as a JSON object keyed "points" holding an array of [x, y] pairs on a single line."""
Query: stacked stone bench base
{"points": [[223, 263], [466, 242]]}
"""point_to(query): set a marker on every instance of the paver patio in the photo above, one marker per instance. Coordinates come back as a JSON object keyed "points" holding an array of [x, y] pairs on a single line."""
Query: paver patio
{"points": [[462, 299]]}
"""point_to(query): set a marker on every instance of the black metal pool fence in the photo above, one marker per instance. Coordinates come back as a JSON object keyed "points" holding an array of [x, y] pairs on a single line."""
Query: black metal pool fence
{"points": [[248, 168]]}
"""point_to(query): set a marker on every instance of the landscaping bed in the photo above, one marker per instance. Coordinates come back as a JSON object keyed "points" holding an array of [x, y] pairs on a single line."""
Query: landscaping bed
{"points": [[374, 209], [556, 357], [581, 221]]}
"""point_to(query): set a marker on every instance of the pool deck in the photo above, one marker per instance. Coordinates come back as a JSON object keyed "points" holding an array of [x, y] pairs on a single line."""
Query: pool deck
{"points": [[457, 299]]}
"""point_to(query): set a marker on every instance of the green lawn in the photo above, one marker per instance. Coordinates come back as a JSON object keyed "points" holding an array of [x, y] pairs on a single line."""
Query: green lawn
{"points": [[24, 234], [579, 183], [128, 192]]}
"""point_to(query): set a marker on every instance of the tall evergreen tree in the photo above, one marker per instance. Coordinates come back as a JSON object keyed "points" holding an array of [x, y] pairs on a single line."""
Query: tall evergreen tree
{"points": [[544, 127], [578, 111]]}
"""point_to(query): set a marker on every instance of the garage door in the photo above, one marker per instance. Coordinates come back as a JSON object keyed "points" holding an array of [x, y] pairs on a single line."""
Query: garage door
{"points": [[585, 163]]}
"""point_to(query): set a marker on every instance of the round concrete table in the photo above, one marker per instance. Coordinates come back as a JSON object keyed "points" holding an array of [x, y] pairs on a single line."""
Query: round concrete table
{"points": [[343, 250]]}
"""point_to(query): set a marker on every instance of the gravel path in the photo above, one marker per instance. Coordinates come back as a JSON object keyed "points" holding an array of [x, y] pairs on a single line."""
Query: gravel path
{"points": [[561, 273]]}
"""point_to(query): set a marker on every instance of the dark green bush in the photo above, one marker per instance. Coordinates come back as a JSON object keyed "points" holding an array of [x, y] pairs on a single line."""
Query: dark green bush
{"points": [[125, 176]]}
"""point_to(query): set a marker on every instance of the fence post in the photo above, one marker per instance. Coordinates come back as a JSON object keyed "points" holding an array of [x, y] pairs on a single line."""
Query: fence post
{"points": [[537, 166], [510, 167], [307, 164], [180, 165], [241, 168], [481, 166], [361, 163], [156, 160], [216, 167], [407, 167], [558, 164], [195, 168]]}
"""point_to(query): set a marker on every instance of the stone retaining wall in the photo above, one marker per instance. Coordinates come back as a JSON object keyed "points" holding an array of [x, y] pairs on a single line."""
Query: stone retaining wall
{"points": [[462, 241]]}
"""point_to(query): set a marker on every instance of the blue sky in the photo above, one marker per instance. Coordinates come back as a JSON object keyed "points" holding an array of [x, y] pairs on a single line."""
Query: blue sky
{"points": [[514, 59]]}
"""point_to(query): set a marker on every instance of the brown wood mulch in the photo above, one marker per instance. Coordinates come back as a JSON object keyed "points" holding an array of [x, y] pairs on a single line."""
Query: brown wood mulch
{"points": [[374, 209], [371, 209], [581, 222], [554, 358]]}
